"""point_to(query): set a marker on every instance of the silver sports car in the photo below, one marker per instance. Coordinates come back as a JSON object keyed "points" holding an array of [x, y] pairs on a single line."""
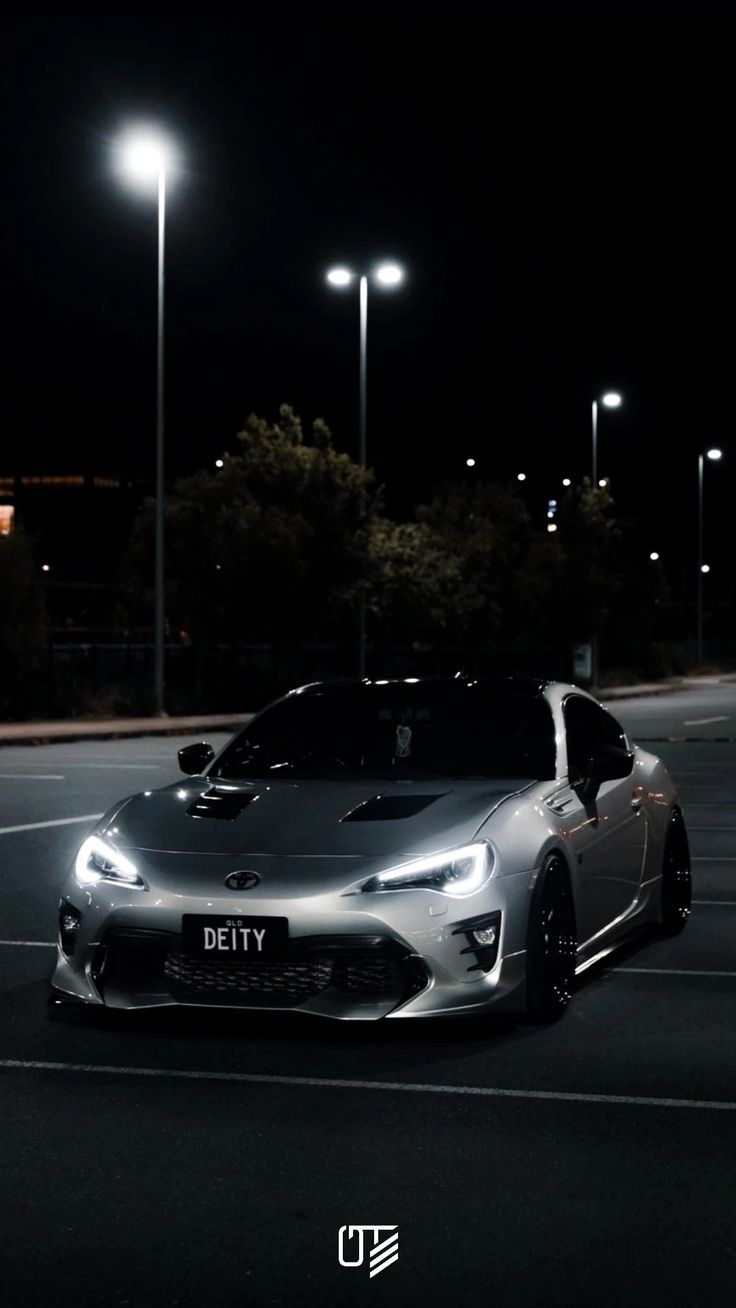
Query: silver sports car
{"points": [[379, 849]]}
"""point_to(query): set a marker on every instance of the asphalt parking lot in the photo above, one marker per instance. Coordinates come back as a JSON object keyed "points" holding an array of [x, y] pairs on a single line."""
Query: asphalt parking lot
{"points": [[203, 1158]]}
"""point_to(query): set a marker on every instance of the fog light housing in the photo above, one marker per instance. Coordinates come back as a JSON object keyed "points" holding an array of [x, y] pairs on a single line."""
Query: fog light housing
{"points": [[69, 922], [483, 935]]}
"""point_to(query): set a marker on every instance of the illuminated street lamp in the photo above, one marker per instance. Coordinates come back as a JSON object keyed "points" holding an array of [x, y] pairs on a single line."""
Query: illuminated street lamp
{"points": [[470, 463], [610, 400], [715, 456], [654, 556], [146, 159], [387, 275]]}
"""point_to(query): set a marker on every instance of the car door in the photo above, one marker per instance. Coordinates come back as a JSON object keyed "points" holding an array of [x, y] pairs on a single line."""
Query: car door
{"points": [[608, 830]]}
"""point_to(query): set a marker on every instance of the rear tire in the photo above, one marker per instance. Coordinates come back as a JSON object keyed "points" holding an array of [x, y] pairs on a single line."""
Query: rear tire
{"points": [[551, 944], [676, 878]]}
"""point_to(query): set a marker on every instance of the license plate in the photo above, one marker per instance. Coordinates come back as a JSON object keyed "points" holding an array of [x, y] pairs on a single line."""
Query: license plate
{"points": [[211, 936]]}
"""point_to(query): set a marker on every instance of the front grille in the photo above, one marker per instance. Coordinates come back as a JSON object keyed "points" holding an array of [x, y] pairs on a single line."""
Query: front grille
{"points": [[198, 978], [367, 967], [364, 974]]}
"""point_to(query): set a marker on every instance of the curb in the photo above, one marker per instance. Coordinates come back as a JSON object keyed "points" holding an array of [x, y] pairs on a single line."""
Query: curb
{"points": [[50, 733]]}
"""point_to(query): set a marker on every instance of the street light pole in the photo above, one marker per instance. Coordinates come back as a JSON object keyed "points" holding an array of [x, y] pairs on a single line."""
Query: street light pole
{"points": [[388, 274], [594, 479], [159, 607], [714, 455], [611, 400], [148, 160], [699, 642], [363, 451], [363, 370]]}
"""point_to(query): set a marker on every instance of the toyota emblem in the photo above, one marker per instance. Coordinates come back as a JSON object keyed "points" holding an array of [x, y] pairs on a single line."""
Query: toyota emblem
{"points": [[242, 880]]}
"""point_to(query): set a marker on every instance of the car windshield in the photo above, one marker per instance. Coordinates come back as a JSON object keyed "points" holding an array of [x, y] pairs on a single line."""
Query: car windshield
{"points": [[397, 730]]}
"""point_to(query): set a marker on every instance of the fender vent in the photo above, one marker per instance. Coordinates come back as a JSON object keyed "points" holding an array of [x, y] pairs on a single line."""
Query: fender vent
{"points": [[223, 804], [386, 808]]}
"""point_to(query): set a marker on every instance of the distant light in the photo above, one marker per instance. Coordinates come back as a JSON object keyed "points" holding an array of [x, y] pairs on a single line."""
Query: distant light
{"points": [[603, 481], [612, 400], [521, 476], [705, 567], [470, 463], [566, 481], [389, 274], [551, 526], [219, 463], [715, 454], [144, 153], [340, 276], [45, 567], [654, 556]]}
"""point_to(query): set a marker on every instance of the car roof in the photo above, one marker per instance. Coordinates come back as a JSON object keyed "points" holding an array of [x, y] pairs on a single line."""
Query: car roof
{"points": [[525, 686]]}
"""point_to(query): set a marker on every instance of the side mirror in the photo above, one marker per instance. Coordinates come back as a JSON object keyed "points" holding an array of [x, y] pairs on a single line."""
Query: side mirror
{"points": [[609, 764], [193, 759]]}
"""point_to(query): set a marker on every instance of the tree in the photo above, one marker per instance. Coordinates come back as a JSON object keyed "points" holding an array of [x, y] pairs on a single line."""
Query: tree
{"points": [[414, 583], [504, 565], [270, 547]]}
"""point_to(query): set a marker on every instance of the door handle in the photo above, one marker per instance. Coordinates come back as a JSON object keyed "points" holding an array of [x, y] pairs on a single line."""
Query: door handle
{"points": [[637, 798]]}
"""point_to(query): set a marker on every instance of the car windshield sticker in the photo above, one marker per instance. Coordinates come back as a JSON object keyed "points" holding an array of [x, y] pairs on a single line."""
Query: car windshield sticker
{"points": [[403, 742]]}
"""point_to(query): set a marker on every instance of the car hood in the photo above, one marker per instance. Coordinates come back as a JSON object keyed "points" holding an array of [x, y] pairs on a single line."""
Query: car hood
{"points": [[358, 818]]}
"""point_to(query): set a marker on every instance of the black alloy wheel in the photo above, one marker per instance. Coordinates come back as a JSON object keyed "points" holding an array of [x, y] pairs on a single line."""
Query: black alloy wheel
{"points": [[551, 944], [676, 878]]}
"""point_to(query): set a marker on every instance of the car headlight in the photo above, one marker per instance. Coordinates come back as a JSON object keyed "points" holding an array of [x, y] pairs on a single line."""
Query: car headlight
{"points": [[98, 861], [453, 872]]}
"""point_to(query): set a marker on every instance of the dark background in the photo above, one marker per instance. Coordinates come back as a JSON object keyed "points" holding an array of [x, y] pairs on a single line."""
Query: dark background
{"points": [[559, 191]]}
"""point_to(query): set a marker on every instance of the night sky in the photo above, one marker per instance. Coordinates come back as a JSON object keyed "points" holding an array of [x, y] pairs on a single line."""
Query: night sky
{"points": [[559, 191]]}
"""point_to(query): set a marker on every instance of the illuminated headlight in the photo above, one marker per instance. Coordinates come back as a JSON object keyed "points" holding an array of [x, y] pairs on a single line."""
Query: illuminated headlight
{"points": [[454, 872], [98, 861]]}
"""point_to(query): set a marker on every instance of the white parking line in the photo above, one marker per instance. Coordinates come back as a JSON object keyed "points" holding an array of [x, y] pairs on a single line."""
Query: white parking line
{"points": [[56, 822], [31, 944], [669, 971], [701, 722], [31, 776], [338, 1083], [124, 767]]}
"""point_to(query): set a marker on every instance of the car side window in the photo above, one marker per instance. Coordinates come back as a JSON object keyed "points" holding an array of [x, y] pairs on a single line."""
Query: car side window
{"points": [[589, 730]]}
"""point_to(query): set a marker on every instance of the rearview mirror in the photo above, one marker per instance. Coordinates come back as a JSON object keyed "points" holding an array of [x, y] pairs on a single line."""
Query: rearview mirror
{"points": [[193, 759]]}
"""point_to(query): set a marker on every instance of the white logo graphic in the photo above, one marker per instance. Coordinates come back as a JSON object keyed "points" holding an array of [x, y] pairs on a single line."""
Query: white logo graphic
{"points": [[383, 1252]]}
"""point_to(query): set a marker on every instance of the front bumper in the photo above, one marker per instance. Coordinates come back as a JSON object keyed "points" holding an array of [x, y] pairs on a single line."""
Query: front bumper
{"points": [[401, 954]]}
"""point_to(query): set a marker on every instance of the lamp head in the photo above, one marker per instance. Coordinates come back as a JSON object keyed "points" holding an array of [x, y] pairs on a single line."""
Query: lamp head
{"points": [[143, 154], [339, 276], [389, 274]]}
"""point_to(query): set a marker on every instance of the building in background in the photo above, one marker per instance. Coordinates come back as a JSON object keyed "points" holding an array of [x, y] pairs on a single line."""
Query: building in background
{"points": [[79, 523]]}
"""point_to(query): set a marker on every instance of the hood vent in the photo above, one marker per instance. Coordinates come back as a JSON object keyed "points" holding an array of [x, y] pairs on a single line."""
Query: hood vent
{"points": [[223, 804], [386, 808]]}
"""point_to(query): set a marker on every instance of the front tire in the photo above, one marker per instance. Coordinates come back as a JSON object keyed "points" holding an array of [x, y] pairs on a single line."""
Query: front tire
{"points": [[676, 877], [551, 944]]}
